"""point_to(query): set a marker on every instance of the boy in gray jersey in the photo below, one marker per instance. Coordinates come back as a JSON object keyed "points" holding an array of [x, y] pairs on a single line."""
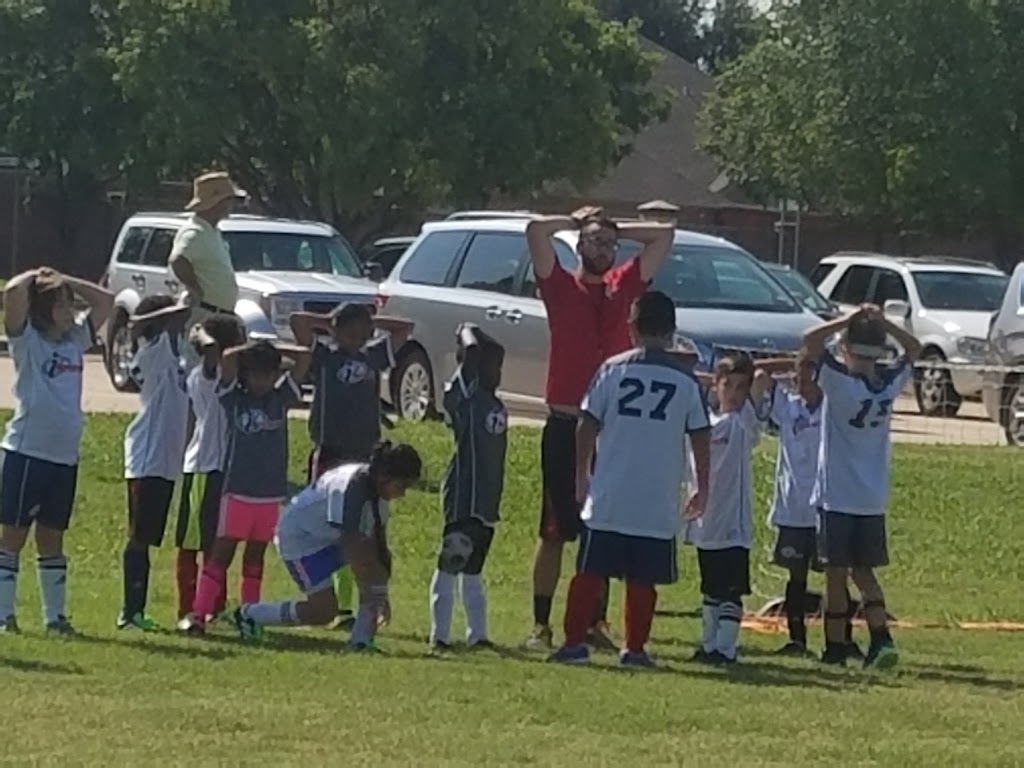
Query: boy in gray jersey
{"points": [[472, 486], [345, 417]]}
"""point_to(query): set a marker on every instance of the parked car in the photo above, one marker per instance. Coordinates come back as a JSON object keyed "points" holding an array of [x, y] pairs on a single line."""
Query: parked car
{"points": [[945, 302], [385, 253], [479, 271], [1003, 392], [803, 290], [282, 266]]}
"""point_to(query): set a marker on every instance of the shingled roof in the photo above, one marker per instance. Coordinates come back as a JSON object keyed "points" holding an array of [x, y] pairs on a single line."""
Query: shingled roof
{"points": [[665, 163]]}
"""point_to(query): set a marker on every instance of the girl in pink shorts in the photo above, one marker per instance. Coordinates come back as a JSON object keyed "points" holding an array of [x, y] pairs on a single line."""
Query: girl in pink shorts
{"points": [[256, 396]]}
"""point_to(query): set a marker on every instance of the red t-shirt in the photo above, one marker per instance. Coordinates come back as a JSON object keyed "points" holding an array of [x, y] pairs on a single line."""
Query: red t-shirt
{"points": [[588, 323]]}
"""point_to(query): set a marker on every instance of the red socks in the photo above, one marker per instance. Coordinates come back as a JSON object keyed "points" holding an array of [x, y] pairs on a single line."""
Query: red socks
{"points": [[584, 592], [640, 602], [211, 584], [252, 579], [186, 573]]}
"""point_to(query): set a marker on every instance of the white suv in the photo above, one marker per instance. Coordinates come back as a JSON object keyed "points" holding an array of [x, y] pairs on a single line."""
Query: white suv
{"points": [[282, 266], [945, 302]]}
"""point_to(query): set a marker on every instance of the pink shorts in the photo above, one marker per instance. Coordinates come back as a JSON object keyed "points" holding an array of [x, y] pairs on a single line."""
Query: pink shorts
{"points": [[247, 519]]}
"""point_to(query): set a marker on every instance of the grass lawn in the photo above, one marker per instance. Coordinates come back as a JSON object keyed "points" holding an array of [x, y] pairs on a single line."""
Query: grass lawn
{"points": [[957, 538]]}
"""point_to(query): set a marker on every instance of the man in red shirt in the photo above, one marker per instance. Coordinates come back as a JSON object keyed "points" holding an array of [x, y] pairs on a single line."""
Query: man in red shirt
{"points": [[588, 321]]}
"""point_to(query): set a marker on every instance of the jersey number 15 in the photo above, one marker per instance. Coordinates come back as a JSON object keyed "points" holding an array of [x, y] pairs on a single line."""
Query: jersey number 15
{"points": [[635, 389], [871, 414]]}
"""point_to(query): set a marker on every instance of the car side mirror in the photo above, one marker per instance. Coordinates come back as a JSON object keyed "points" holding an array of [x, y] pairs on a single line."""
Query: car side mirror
{"points": [[899, 310], [374, 271]]}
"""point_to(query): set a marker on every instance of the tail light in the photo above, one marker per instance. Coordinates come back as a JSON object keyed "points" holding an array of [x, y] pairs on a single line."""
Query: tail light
{"points": [[104, 281], [379, 301]]}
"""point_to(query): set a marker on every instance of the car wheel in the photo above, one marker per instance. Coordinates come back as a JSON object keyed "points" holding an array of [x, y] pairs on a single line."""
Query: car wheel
{"points": [[1013, 410], [413, 386], [934, 390], [119, 354]]}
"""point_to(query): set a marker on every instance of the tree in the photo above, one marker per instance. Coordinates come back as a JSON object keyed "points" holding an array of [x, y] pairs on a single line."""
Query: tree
{"points": [[883, 109], [708, 33], [60, 111], [345, 111], [672, 24]]}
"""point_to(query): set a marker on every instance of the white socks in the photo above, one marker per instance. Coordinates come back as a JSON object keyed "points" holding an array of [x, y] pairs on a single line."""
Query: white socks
{"points": [[474, 603], [442, 600], [53, 583], [729, 617], [709, 623], [272, 614], [442, 588], [8, 583]]}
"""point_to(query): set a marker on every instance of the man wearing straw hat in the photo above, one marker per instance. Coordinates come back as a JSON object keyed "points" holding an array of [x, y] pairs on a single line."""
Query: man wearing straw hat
{"points": [[200, 259]]}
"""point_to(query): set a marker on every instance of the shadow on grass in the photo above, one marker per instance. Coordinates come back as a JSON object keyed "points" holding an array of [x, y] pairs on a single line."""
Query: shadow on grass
{"points": [[319, 644], [958, 674], [151, 643], [43, 667]]}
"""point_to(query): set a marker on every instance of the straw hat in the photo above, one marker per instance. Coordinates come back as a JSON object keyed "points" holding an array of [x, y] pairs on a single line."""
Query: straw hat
{"points": [[211, 189]]}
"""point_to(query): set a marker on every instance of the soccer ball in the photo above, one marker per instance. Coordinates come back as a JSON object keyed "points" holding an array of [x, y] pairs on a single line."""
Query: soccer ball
{"points": [[456, 549]]}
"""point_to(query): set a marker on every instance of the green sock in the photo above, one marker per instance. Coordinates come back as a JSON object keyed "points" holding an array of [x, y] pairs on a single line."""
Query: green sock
{"points": [[343, 586]]}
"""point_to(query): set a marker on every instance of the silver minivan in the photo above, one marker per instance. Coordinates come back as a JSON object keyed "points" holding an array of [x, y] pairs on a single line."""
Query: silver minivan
{"points": [[477, 270]]}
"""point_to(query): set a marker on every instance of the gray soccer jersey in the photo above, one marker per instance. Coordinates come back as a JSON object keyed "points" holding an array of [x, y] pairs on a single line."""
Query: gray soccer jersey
{"points": [[475, 477], [257, 461], [345, 414], [645, 402]]}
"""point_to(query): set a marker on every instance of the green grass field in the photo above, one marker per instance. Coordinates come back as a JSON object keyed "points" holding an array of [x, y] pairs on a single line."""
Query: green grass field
{"points": [[957, 538]]}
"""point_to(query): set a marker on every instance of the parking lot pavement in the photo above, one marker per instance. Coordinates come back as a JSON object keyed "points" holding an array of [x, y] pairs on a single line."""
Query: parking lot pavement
{"points": [[969, 428]]}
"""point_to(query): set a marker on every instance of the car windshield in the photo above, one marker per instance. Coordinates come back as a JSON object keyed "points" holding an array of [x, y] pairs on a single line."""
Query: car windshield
{"points": [[716, 278], [961, 291], [288, 252], [801, 288]]}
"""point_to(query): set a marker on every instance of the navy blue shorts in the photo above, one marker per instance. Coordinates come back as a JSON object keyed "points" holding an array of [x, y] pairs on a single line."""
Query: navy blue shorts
{"points": [[630, 558], [314, 572], [36, 491]]}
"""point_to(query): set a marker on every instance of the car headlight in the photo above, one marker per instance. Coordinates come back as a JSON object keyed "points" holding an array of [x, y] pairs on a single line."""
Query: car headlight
{"points": [[972, 347], [282, 308]]}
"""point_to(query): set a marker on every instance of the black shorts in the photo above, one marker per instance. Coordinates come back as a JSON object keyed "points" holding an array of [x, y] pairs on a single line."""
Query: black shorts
{"points": [[198, 511], [560, 512], [36, 491], [480, 535], [852, 541], [640, 559], [796, 548], [724, 573], [149, 502]]}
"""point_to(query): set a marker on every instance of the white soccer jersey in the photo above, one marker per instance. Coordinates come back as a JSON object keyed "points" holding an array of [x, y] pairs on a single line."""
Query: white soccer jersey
{"points": [[645, 402], [340, 500], [47, 421], [853, 461], [208, 446], [796, 466], [154, 443], [727, 520]]}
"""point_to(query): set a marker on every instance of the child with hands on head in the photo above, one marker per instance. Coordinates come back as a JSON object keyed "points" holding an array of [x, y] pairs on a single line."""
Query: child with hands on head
{"points": [[256, 394]]}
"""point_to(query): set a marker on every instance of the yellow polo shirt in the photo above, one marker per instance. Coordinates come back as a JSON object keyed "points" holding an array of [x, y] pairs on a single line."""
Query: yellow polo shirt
{"points": [[204, 247]]}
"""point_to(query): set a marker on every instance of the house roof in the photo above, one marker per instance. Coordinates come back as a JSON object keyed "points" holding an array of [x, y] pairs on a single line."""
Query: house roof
{"points": [[665, 163]]}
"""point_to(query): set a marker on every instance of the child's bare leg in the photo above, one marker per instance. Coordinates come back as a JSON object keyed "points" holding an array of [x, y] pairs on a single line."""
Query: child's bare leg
{"points": [[871, 594]]}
